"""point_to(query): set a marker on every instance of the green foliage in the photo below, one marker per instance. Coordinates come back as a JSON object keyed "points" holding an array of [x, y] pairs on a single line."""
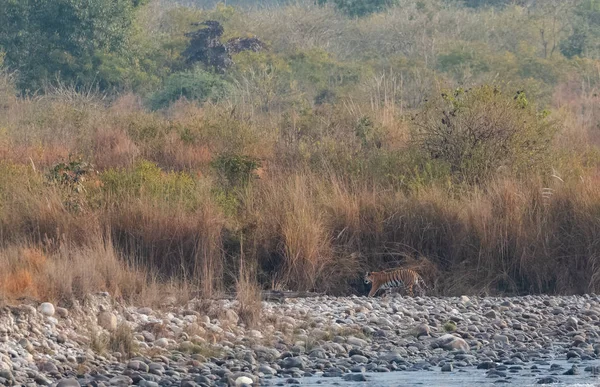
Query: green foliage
{"points": [[196, 84], [71, 178], [71, 174], [585, 32], [463, 61], [486, 3], [235, 170], [368, 134], [575, 44], [148, 180], [482, 130], [68, 37], [360, 8], [450, 326], [315, 69]]}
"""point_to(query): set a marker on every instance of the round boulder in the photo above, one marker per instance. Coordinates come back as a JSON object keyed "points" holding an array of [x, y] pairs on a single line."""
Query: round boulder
{"points": [[47, 309], [107, 320]]}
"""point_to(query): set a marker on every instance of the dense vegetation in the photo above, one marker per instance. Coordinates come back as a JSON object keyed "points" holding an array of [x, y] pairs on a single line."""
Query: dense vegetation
{"points": [[146, 145]]}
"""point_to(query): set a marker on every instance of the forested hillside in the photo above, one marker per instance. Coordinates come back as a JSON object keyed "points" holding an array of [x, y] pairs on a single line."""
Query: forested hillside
{"points": [[152, 145]]}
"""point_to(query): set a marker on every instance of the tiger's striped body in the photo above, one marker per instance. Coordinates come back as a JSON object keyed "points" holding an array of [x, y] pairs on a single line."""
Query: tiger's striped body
{"points": [[397, 278]]}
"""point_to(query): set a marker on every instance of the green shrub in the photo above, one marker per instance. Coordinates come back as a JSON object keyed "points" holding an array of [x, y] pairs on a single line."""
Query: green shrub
{"points": [[147, 179], [359, 8], [195, 84], [449, 326], [486, 3], [235, 170], [479, 131]]}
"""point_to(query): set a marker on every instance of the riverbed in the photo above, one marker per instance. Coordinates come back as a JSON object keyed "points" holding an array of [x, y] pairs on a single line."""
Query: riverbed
{"points": [[325, 341]]}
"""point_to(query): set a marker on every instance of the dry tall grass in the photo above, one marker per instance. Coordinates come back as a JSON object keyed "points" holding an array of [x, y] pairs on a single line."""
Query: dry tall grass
{"points": [[67, 273], [329, 204], [248, 296]]}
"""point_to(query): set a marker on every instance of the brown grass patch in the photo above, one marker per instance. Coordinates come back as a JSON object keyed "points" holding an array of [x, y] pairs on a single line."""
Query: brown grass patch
{"points": [[248, 297]]}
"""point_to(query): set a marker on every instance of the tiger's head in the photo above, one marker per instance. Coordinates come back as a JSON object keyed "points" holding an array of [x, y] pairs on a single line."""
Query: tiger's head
{"points": [[368, 277]]}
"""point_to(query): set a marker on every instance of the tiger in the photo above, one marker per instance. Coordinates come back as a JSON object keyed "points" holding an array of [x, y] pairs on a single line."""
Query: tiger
{"points": [[395, 278]]}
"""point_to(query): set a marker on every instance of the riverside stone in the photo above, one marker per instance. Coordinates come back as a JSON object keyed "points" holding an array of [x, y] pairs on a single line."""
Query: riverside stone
{"points": [[68, 383], [107, 320], [300, 337], [47, 309]]}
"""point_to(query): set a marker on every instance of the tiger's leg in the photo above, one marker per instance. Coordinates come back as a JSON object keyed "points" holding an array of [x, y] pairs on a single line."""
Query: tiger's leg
{"points": [[386, 293], [409, 290], [374, 290]]}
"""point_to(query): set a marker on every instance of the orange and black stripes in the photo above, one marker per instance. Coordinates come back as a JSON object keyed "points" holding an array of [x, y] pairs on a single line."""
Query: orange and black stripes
{"points": [[397, 278]]}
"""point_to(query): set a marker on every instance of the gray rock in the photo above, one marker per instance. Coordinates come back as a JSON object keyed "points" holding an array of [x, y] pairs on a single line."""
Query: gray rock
{"points": [[265, 369], [355, 377], [450, 342], [422, 330], [62, 312], [293, 362], [107, 320], [333, 373], [47, 309], [137, 365], [232, 316], [360, 359], [491, 314], [447, 367], [501, 338], [121, 381], [548, 380], [162, 342], [202, 379], [391, 357], [68, 383], [573, 371], [6, 374], [354, 341], [26, 345], [41, 380], [48, 367], [145, 311]]}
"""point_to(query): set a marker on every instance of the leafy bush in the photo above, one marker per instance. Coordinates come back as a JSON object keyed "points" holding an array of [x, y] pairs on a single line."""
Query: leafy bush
{"points": [[359, 8], [235, 170], [486, 3], [147, 179], [71, 174], [196, 84], [481, 130]]}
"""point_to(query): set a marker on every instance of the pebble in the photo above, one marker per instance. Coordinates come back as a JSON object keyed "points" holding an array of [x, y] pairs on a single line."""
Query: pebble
{"points": [[346, 338]]}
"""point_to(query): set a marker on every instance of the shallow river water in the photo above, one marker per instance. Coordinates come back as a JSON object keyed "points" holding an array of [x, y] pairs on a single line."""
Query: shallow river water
{"points": [[467, 377]]}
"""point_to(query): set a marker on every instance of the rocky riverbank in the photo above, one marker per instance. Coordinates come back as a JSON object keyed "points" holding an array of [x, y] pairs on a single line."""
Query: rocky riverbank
{"points": [[101, 342]]}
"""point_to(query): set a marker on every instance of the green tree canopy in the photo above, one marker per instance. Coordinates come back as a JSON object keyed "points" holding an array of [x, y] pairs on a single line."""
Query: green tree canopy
{"points": [[583, 40], [42, 38]]}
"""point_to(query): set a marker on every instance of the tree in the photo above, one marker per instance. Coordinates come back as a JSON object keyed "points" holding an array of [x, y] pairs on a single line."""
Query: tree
{"points": [[552, 19], [478, 131], [585, 31], [46, 38]]}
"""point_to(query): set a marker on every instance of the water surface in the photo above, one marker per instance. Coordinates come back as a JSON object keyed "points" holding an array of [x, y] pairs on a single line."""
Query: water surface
{"points": [[465, 377]]}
